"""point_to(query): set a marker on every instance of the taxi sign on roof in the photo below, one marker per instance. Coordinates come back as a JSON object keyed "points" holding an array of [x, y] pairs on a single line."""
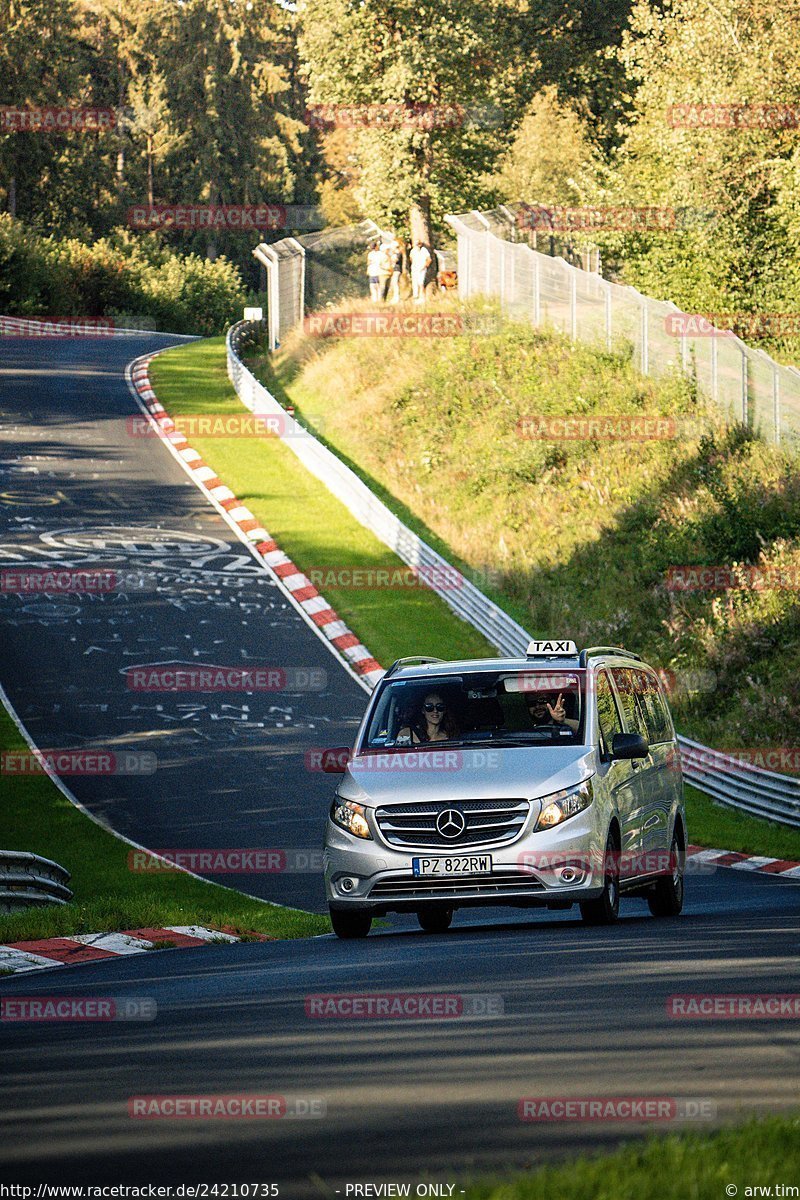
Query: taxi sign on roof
{"points": [[565, 648]]}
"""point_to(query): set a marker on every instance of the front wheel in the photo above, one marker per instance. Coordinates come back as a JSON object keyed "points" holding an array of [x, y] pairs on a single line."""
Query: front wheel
{"points": [[350, 924], [666, 898], [605, 909], [435, 920]]}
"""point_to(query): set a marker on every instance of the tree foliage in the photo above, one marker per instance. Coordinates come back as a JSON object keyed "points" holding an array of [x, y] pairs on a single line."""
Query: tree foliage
{"points": [[449, 63]]}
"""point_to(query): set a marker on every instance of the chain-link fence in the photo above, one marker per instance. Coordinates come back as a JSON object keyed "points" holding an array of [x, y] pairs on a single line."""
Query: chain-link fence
{"points": [[748, 384], [307, 273], [511, 222]]}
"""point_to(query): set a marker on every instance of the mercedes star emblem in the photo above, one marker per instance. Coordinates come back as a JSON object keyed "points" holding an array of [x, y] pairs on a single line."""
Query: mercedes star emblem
{"points": [[451, 823]]}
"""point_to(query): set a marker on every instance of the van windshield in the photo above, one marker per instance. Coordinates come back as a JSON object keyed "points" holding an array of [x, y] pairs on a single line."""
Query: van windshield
{"points": [[512, 708]]}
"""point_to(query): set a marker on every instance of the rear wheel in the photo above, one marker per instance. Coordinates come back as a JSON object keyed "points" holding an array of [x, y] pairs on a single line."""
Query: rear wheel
{"points": [[666, 898], [435, 920], [605, 909], [350, 924]]}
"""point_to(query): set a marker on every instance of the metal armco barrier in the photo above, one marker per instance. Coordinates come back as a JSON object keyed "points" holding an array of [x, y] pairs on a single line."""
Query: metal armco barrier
{"points": [[458, 592], [26, 880], [750, 789]]}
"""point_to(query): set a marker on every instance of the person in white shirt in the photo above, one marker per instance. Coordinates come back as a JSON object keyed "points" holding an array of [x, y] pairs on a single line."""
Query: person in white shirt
{"points": [[375, 261], [420, 261]]}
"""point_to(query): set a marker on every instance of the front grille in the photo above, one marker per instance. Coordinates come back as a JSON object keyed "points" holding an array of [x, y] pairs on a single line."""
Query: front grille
{"points": [[503, 883], [486, 822]]}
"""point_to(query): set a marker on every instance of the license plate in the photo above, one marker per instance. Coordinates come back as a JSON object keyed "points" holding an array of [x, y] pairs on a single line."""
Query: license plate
{"points": [[460, 864]]}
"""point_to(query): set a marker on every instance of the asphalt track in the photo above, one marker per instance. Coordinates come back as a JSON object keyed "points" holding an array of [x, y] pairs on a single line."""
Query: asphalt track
{"points": [[583, 1010], [77, 489]]}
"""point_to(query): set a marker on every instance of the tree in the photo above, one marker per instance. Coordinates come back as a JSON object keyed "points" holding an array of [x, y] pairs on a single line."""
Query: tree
{"points": [[227, 63], [441, 75], [737, 184], [42, 64], [553, 159]]}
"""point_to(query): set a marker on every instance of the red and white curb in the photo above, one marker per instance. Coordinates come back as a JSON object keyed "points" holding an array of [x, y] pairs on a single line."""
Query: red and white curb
{"points": [[91, 947], [289, 577], [778, 868]]}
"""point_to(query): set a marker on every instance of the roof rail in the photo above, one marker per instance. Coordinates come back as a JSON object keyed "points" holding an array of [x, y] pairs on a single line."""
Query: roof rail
{"points": [[420, 659], [584, 654]]}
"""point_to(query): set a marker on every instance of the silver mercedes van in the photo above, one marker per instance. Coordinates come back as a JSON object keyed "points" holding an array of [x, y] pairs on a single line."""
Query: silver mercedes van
{"points": [[548, 780]]}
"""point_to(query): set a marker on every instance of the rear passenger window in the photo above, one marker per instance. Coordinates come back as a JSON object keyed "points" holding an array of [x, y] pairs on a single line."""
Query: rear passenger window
{"points": [[654, 706], [608, 717], [643, 704], [629, 683]]}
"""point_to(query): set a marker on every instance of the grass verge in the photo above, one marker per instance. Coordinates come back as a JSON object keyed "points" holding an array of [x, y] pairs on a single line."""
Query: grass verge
{"points": [[107, 895], [712, 824], [760, 1153], [308, 523]]}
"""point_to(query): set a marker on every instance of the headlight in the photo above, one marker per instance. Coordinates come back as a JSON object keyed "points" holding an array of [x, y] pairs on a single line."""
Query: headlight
{"points": [[563, 805], [350, 816]]}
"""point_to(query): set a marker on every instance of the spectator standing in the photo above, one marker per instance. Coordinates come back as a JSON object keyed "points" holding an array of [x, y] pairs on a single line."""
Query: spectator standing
{"points": [[375, 259], [420, 261]]}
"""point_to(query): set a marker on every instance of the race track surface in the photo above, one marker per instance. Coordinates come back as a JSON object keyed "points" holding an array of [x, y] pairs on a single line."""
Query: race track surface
{"points": [[577, 1012], [78, 489]]}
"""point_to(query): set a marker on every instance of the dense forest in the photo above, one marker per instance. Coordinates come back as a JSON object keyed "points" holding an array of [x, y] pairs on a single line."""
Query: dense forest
{"points": [[217, 103]]}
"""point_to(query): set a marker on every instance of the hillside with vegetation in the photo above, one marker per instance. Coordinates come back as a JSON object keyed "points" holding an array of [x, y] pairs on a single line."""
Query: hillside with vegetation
{"points": [[578, 538]]}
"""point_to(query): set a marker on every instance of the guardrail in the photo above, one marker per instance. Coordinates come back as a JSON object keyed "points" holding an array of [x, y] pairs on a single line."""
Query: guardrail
{"points": [[743, 786], [458, 592], [27, 880], [750, 789]]}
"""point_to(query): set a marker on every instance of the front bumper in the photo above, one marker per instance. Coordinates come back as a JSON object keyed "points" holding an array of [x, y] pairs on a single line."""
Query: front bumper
{"points": [[369, 876]]}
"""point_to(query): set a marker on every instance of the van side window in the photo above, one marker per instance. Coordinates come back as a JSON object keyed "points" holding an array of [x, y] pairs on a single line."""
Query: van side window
{"points": [[608, 717], [629, 683], [654, 707]]}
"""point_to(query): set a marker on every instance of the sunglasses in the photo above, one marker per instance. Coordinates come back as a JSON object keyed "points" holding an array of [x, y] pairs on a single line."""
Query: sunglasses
{"points": [[433, 708]]}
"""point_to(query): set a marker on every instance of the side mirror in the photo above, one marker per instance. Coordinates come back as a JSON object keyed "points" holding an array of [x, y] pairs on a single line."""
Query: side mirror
{"points": [[629, 745], [334, 762]]}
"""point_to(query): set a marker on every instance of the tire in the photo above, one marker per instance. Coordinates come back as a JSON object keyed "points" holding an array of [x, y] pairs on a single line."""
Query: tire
{"points": [[605, 909], [435, 920], [350, 924], [666, 898]]}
